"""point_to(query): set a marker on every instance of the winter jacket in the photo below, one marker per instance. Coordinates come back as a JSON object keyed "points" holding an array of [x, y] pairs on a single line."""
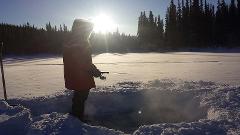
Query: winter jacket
{"points": [[78, 67]]}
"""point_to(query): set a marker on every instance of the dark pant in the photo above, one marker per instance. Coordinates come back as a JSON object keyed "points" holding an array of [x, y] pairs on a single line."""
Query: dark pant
{"points": [[78, 101]]}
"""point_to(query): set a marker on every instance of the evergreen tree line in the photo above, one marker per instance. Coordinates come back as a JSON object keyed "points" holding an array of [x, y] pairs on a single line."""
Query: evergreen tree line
{"points": [[28, 39], [192, 23], [150, 30]]}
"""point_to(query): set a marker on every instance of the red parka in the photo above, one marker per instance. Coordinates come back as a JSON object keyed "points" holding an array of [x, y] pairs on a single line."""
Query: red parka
{"points": [[78, 66]]}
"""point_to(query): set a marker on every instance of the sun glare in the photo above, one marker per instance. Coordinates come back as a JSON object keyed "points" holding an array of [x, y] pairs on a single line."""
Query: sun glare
{"points": [[103, 24]]}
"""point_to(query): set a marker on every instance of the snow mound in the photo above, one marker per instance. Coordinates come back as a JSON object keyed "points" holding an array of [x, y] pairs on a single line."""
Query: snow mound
{"points": [[158, 107], [223, 113], [14, 120], [64, 124], [17, 121], [59, 102], [202, 127]]}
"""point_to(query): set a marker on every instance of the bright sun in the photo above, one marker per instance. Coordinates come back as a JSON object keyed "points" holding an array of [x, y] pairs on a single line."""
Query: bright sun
{"points": [[103, 24]]}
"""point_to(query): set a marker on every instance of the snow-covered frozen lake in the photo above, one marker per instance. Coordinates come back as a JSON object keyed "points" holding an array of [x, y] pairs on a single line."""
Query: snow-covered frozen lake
{"points": [[147, 93], [43, 75]]}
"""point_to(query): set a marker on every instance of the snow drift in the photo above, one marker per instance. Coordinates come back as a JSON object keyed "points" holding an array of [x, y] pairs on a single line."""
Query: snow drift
{"points": [[157, 107]]}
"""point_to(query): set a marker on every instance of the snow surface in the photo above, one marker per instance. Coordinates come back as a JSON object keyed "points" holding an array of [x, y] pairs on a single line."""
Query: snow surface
{"points": [[144, 94], [43, 75]]}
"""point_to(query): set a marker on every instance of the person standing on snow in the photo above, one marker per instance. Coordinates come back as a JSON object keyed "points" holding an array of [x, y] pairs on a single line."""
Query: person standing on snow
{"points": [[78, 67]]}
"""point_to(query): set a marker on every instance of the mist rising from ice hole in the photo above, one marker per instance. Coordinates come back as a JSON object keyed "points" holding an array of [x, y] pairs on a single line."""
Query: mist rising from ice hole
{"points": [[131, 107]]}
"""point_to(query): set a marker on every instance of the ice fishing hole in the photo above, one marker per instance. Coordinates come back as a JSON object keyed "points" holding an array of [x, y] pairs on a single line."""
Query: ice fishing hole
{"points": [[127, 111]]}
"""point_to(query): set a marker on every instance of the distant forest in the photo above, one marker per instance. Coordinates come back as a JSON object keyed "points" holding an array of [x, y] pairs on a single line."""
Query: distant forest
{"points": [[27, 39], [187, 24], [192, 24]]}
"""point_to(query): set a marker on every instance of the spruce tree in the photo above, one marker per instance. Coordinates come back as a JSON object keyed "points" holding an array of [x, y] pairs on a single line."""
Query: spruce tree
{"points": [[151, 28], [140, 26], [222, 23], [201, 6], [238, 20], [151, 18], [171, 26], [238, 7], [160, 32], [232, 22], [179, 30]]}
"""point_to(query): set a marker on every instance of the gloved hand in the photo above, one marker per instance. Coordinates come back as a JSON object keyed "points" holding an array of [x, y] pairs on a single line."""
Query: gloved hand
{"points": [[96, 73], [102, 77]]}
